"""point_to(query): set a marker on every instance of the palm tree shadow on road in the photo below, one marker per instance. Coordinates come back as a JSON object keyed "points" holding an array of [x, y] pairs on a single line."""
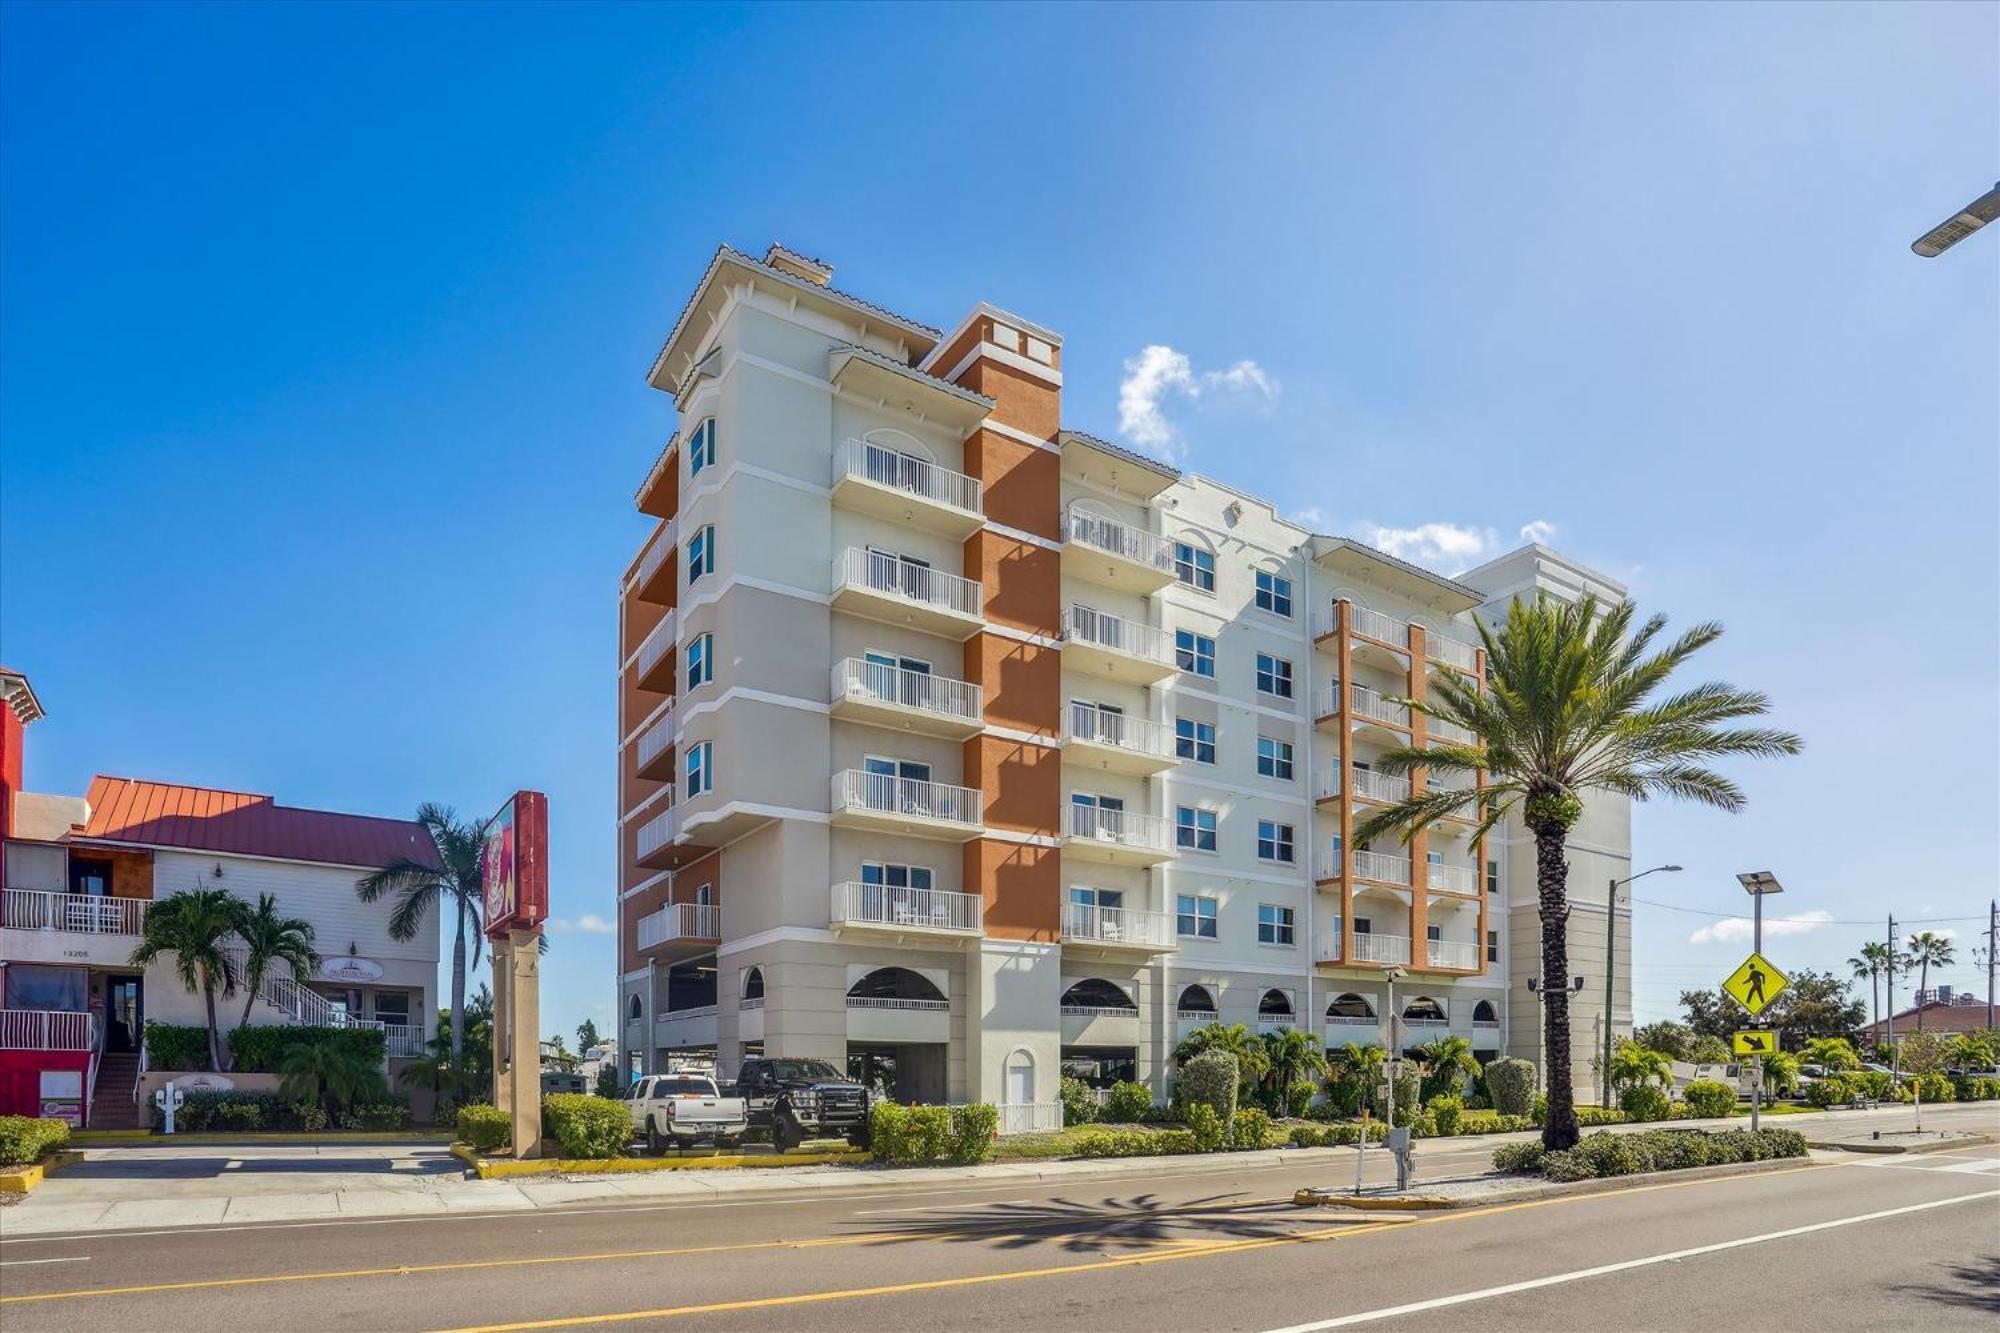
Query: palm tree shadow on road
{"points": [[1142, 1221]]}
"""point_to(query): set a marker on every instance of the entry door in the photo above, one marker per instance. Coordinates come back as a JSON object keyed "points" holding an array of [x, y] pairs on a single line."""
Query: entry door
{"points": [[1020, 1083], [126, 1008], [903, 680]]}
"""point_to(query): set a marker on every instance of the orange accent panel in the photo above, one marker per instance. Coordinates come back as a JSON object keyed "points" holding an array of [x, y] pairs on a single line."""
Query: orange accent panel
{"points": [[1023, 583], [1022, 682], [1022, 783], [1023, 401], [1023, 484], [1021, 886], [636, 619]]}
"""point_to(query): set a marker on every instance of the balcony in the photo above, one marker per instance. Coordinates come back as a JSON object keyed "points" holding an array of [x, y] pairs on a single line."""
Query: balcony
{"points": [[1365, 784], [69, 928], [1116, 554], [884, 587], [656, 657], [1447, 877], [656, 838], [680, 928], [1437, 729], [1116, 648], [1114, 742], [655, 758], [1378, 867], [46, 1030], [1120, 929], [1450, 652], [656, 567], [890, 804], [1384, 629], [887, 696], [1364, 706], [1374, 639], [1452, 955], [693, 1028], [1382, 950], [1120, 837], [905, 489], [897, 910], [660, 492]]}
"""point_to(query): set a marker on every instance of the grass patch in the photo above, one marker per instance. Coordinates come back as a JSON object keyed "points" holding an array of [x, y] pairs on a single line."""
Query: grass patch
{"points": [[1782, 1108]]}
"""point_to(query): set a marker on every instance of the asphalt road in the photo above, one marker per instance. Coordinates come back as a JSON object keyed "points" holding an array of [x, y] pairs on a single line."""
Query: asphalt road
{"points": [[1841, 1242]]}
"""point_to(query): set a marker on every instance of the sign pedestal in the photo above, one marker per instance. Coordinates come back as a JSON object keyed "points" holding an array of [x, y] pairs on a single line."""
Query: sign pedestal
{"points": [[515, 885]]}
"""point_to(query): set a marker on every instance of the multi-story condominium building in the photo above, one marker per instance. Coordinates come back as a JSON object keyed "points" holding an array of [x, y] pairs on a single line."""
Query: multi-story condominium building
{"points": [[966, 750]]}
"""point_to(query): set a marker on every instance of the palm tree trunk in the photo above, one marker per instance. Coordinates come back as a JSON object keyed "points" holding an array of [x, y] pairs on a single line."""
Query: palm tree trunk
{"points": [[1923, 984], [1874, 999], [458, 988], [214, 1031], [250, 985], [1559, 1129]]}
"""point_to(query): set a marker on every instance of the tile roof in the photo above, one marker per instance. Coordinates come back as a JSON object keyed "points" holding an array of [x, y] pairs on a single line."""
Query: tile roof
{"points": [[165, 814], [1120, 451], [891, 364]]}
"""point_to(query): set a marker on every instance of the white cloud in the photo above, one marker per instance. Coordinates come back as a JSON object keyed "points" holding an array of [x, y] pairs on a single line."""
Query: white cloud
{"points": [[1160, 373], [1312, 516], [588, 924], [1538, 530], [1738, 929], [1449, 548]]}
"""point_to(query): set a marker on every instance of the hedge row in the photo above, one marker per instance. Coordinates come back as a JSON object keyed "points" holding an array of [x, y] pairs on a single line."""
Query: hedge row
{"points": [[238, 1112], [255, 1049], [1649, 1150], [27, 1138], [920, 1135], [584, 1125]]}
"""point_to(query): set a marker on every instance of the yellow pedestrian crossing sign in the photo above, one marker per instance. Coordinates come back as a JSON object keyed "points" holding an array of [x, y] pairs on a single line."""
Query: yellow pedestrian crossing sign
{"points": [[1753, 1042], [1756, 983]]}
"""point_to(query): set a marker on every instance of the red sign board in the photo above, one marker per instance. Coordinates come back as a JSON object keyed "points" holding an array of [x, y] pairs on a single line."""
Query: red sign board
{"points": [[514, 864]]}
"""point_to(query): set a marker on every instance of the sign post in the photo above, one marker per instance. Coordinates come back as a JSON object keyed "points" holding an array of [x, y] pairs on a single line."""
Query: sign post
{"points": [[1756, 983], [514, 880]]}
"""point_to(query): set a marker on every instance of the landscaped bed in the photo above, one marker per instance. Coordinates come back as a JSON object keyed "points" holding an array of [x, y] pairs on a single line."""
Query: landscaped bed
{"points": [[1601, 1155]]}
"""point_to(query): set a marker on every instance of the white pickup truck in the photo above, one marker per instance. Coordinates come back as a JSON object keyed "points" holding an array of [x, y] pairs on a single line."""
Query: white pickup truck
{"points": [[685, 1109]]}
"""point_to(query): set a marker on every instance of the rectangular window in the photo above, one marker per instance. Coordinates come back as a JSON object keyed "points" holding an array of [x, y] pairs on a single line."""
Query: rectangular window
{"points": [[1112, 899], [1434, 933], [1194, 740], [1274, 676], [700, 660], [1362, 925], [701, 447], [1194, 652], [700, 769], [1493, 877], [1274, 758], [895, 875], [1274, 841], [1194, 828], [1274, 593], [1274, 924], [1194, 566], [1194, 916], [1492, 946], [701, 553]]}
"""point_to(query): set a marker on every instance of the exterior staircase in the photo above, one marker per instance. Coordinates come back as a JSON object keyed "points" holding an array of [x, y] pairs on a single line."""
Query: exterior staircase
{"points": [[112, 1104]]}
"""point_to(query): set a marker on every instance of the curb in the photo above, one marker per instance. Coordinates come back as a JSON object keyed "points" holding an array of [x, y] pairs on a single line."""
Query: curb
{"points": [[23, 1179], [486, 1168], [113, 1137], [1311, 1198], [1889, 1149]]}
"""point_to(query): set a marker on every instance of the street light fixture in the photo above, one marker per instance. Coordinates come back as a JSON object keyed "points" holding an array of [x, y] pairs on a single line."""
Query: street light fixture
{"points": [[1611, 968], [1959, 225]]}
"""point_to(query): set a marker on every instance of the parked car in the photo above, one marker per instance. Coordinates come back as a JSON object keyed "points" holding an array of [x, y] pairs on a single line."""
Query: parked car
{"points": [[685, 1109], [797, 1099]]}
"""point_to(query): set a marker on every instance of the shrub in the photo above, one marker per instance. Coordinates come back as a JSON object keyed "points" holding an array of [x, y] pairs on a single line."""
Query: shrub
{"points": [[1590, 1117], [1518, 1157], [380, 1115], [1492, 1122], [1344, 1135], [1651, 1150], [1830, 1091], [1298, 1099], [176, 1046], [484, 1128], [1210, 1079], [972, 1131], [1447, 1114], [1409, 1087], [1511, 1085], [27, 1138], [1609, 1155], [1876, 1083], [1645, 1101], [1976, 1088], [1251, 1128], [1129, 1104], [1136, 1143], [1079, 1104], [585, 1126], [913, 1135], [1708, 1099], [238, 1112], [262, 1049], [1205, 1126], [1935, 1088]]}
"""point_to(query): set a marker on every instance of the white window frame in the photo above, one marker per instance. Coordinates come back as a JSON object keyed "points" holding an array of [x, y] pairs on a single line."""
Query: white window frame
{"points": [[1194, 740], [699, 770], [1213, 829], [1284, 921], [700, 660], [1194, 913], [1284, 838], [1196, 656], [1194, 566], [1279, 672], [701, 561], [910, 873], [1288, 759], [701, 447], [1270, 594]]}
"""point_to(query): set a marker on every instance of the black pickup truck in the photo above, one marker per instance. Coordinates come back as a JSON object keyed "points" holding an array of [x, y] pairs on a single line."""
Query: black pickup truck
{"points": [[795, 1100]]}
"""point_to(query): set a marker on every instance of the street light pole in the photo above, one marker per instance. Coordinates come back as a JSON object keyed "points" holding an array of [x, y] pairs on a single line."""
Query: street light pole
{"points": [[1611, 972], [1757, 883]]}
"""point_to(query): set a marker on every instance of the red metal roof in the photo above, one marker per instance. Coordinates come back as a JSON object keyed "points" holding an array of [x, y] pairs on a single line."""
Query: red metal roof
{"points": [[165, 814]]}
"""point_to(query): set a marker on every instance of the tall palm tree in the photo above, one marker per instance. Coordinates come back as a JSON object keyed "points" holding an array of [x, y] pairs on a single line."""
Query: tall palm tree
{"points": [[1868, 965], [418, 888], [1569, 709], [269, 938], [1925, 948], [194, 926]]}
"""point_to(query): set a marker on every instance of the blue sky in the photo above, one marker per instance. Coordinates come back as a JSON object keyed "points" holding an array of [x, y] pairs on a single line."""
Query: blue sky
{"points": [[324, 331]]}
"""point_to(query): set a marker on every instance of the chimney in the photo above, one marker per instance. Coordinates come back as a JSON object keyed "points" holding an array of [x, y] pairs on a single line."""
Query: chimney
{"points": [[814, 271]]}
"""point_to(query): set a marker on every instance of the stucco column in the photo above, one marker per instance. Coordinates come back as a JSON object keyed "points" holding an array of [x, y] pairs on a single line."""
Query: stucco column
{"points": [[523, 1037]]}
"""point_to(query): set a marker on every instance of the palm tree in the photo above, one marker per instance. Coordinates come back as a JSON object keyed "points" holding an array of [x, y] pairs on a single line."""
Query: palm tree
{"points": [[1290, 1056], [1449, 1059], [1252, 1059], [1928, 947], [418, 888], [194, 926], [1358, 1068], [1633, 1065], [1833, 1054], [1569, 709], [269, 938], [1869, 965], [328, 1074]]}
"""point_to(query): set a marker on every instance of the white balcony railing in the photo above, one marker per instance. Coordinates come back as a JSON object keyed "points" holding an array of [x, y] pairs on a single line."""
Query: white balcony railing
{"points": [[906, 472], [1371, 948], [654, 740], [1382, 866], [1127, 828], [658, 831], [1453, 878], [1450, 651], [883, 573], [1120, 539], [656, 554], [856, 678], [46, 1030], [1030, 1117], [1425, 1021], [282, 992], [1101, 726], [1099, 1011], [1117, 925], [1453, 953], [1389, 787], [1376, 625], [854, 789], [897, 1002], [914, 909], [1366, 702], [1352, 1021], [1101, 629], [1437, 729], [1197, 1016], [403, 1040], [657, 644], [680, 921], [75, 913], [1485, 1025]]}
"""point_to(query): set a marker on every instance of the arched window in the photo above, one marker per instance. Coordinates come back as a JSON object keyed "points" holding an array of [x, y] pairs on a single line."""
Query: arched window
{"points": [[1274, 1004], [888, 437], [635, 1009], [1484, 1012], [1097, 993], [1196, 1000], [753, 984], [1350, 1005], [895, 983], [1423, 1009]]}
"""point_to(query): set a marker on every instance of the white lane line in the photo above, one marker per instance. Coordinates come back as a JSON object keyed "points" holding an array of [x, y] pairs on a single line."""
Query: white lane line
{"points": [[1601, 1270], [945, 1207], [23, 1263]]}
